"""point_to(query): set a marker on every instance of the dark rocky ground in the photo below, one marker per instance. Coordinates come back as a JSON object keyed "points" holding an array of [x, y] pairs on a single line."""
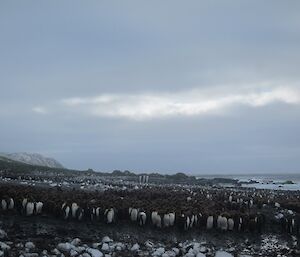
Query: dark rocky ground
{"points": [[47, 236], [47, 233]]}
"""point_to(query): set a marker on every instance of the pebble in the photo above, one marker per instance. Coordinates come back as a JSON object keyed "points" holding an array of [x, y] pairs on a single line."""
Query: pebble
{"points": [[169, 254], [76, 241], [223, 254], [96, 245], [94, 252], [106, 239], [80, 249], [4, 246], [105, 247], [135, 247], [203, 249], [55, 251], [175, 250], [149, 244], [31, 255], [2, 234], [73, 253], [30, 245], [159, 251], [65, 247]]}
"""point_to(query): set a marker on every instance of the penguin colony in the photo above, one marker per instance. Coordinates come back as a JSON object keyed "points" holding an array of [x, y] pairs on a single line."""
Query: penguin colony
{"points": [[159, 207]]}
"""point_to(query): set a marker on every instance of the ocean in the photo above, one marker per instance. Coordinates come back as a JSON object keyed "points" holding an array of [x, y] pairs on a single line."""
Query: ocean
{"points": [[266, 181]]}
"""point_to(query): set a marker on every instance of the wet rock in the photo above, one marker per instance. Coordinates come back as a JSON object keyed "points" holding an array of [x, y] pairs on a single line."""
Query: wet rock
{"points": [[223, 254], [94, 252], [135, 247], [86, 255], [200, 255], [1, 253]]}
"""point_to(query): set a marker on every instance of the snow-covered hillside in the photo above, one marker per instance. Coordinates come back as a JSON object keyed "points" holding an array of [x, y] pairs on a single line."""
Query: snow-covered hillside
{"points": [[33, 159]]}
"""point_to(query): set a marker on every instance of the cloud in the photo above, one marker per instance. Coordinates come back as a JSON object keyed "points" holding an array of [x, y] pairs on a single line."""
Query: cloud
{"points": [[40, 110], [143, 106]]}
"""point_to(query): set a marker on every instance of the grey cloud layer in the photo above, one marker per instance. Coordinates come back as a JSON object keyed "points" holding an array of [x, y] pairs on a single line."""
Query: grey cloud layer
{"points": [[170, 86], [187, 103]]}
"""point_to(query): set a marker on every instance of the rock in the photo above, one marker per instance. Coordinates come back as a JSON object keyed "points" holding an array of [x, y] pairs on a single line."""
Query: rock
{"points": [[86, 255], [169, 254], [76, 241], [31, 255], [175, 250], [73, 253], [2, 234], [200, 255], [30, 245], [149, 244], [231, 249], [135, 248], [119, 246], [202, 249], [96, 245], [55, 251], [65, 247], [19, 245], [1, 253], [4, 246], [223, 254], [94, 252], [80, 249], [105, 247], [106, 239], [159, 251]]}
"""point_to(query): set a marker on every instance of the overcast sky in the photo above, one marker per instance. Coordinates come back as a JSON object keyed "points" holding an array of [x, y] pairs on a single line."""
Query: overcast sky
{"points": [[168, 86]]}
